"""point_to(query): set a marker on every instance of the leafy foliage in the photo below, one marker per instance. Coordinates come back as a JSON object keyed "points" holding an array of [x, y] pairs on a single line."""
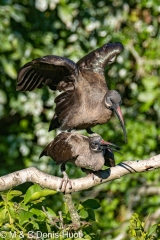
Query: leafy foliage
{"points": [[29, 217], [137, 229], [30, 29]]}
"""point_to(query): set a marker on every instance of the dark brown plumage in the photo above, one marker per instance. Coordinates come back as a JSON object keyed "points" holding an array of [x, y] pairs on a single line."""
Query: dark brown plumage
{"points": [[86, 100], [86, 152]]}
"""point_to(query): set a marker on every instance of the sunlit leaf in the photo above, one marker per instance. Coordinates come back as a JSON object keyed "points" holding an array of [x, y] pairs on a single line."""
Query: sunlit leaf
{"points": [[83, 213], [34, 188]]}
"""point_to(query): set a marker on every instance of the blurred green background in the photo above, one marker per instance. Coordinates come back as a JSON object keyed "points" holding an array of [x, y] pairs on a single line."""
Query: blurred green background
{"points": [[31, 29]]}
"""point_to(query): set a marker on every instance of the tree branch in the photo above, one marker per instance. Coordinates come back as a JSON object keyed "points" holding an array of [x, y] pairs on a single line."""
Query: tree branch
{"points": [[73, 212], [34, 175]]}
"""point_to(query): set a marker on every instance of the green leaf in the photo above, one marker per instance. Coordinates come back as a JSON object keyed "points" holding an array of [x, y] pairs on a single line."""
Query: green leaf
{"points": [[39, 200], [65, 14], [91, 214], [13, 193], [24, 207], [50, 212], [133, 232], [35, 196], [152, 229], [1, 204], [150, 82], [38, 213], [12, 211], [3, 215], [46, 192], [98, 235], [9, 68], [42, 193], [24, 216], [83, 213], [88, 237], [35, 224], [148, 96], [4, 197], [91, 203], [34, 188], [36, 193], [48, 227]]}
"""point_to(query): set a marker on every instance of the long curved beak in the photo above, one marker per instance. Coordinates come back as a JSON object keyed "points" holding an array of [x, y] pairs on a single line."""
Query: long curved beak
{"points": [[110, 146], [120, 117]]}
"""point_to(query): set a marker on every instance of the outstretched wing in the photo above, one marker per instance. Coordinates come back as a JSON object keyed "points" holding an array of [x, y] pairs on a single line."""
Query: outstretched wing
{"points": [[57, 72], [97, 60]]}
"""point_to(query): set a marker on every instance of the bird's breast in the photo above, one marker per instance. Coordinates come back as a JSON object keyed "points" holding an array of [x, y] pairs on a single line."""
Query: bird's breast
{"points": [[88, 107]]}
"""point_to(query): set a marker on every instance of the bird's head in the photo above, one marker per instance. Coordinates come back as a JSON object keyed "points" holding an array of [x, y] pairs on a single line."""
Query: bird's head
{"points": [[113, 101], [95, 142], [98, 144]]}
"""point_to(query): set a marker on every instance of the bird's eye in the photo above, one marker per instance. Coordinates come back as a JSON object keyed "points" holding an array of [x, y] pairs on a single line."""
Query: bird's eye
{"points": [[94, 145], [109, 102], [112, 101]]}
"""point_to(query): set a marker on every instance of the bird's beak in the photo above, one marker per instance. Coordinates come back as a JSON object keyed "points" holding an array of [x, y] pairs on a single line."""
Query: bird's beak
{"points": [[120, 117], [104, 143], [109, 146]]}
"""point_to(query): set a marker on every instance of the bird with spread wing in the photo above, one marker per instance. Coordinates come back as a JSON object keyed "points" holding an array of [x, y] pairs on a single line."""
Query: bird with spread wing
{"points": [[86, 100]]}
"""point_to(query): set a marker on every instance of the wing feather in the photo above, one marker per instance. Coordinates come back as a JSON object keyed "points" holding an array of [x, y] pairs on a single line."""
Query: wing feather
{"points": [[65, 147], [109, 158], [49, 70], [59, 149], [98, 59]]}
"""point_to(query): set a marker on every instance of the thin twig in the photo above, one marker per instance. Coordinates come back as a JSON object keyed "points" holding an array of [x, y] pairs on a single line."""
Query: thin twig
{"points": [[73, 212], [52, 221], [61, 220]]}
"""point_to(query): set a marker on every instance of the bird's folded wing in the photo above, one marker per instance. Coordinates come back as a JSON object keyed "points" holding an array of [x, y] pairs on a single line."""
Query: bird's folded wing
{"points": [[56, 72], [59, 150], [98, 59], [63, 147]]}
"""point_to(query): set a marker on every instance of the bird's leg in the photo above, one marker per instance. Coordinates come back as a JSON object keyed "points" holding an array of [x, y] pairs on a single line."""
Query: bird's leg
{"points": [[65, 178], [89, 172], [89, 131], [70, 129]]}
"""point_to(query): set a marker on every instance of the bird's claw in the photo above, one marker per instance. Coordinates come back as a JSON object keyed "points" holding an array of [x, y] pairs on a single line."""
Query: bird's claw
{"points": [[65, 180], [91, 173]]}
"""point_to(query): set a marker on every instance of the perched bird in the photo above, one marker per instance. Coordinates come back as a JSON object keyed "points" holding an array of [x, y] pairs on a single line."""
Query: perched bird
{"points": [[86, 100], [90, 152]]}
